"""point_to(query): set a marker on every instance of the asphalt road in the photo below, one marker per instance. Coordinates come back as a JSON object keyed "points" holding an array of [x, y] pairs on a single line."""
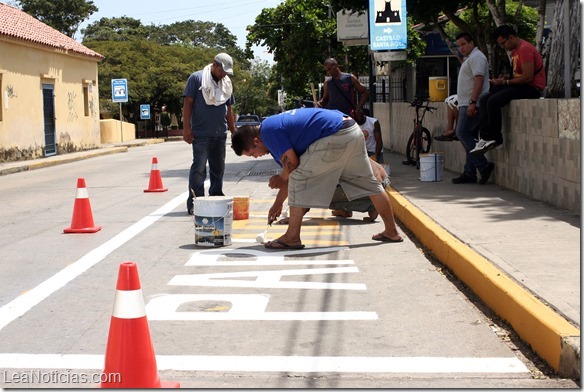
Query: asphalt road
{"points": [[346, 312]]}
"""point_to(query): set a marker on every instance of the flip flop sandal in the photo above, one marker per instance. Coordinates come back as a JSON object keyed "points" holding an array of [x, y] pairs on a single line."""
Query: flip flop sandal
{"points": [[276, 244], [383, 238]]}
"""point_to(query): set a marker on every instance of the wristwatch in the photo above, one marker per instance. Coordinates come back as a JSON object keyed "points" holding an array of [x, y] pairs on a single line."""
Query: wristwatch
{"points": [[472, 101]]}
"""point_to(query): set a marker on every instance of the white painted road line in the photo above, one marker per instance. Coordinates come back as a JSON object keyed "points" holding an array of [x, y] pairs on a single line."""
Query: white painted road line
{"points": [[299, 364], [24, 302]]}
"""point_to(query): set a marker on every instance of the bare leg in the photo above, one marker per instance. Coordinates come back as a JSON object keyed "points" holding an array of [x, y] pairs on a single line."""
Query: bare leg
{"points": [[383, 206], [452, 118], [372, 216]]}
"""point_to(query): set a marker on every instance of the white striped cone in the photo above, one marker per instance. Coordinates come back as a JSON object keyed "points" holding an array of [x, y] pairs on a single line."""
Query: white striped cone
{"points": [[129, 352], [82, 220]]}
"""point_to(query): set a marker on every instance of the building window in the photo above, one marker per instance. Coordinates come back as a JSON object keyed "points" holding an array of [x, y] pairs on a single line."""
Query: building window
{"points": [[86, 100]]}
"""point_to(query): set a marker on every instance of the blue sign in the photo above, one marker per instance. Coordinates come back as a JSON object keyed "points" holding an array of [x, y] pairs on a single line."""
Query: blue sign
{"points": [[144, 112], [120, 90], [388, 25]]}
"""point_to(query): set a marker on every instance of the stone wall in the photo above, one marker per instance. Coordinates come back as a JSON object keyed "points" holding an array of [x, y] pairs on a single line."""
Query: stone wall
{"points": [[541, 155]]}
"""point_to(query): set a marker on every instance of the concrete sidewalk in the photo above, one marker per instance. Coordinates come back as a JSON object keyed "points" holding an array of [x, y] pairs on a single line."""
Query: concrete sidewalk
{"points": [[520, 256], [19, 166]]}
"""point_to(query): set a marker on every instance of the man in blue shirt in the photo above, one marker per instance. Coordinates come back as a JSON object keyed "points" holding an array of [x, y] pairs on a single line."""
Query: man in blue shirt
{"points": [[207, 115], [316, 148]]}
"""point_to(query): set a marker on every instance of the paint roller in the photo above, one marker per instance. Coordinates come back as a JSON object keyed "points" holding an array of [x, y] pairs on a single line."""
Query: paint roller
{"points": [[262, 237]]}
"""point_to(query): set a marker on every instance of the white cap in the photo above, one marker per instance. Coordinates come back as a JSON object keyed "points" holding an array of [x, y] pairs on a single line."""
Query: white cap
{"points": [[226, 62]]}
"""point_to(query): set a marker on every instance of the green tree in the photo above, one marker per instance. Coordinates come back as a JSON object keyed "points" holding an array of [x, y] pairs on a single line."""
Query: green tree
{"points": [[62, 15], [156, 74], [115, 29], [189, 34], [478, 22], [253, 93], [300, 34]]}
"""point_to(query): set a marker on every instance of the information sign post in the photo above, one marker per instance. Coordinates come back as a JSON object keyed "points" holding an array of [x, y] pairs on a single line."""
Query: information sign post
{"points": [[120, 94]]}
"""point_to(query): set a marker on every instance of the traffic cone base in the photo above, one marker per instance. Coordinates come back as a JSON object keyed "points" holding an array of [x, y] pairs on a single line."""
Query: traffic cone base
{"points": [[93, 229], [155, 184], [129, 359], [82, 220]]}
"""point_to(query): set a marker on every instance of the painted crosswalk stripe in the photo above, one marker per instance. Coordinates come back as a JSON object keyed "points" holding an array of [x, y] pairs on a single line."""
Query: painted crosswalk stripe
{"points": [[299, 364]]}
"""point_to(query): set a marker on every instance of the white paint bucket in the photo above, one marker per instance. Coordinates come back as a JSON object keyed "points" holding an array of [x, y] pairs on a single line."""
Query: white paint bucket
{"points": [[213, 220], [431, 166]]}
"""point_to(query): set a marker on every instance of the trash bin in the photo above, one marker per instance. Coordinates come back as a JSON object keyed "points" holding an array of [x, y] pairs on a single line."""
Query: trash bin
{"points": [[438, 87]]}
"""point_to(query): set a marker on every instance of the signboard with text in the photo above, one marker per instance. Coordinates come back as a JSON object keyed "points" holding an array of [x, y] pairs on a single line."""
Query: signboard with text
{"points": [[144, 112], [388, 26], [120, 90]]}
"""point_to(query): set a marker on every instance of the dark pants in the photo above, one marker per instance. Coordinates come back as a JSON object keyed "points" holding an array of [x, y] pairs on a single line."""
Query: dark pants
{"points": [[491, 104], [212, 150], [466, 131]]}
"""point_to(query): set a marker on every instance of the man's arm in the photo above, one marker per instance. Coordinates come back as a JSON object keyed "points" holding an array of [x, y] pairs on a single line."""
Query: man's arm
{"points": [[325, 96], [363, 92], [289, 161], [230, 120], [276, 208], [377, 136], [187, 110], [471, 109]]}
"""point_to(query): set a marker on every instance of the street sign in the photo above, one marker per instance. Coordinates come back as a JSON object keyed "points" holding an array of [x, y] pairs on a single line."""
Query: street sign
{"points": [[144, 112], [120, 90], [388, 25]]}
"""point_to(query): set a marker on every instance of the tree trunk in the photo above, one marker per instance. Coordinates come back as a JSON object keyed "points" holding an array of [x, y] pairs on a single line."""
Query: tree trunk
{"points": [[540, 26], [554, 49], [497, 11]]}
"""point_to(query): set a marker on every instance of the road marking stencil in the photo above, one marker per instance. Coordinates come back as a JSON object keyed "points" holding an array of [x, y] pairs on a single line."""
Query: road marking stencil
{"points": [[299, 364], [24, 302]]}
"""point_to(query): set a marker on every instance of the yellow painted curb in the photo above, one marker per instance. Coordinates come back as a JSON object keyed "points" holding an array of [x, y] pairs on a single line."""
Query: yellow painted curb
{"points": [[536, 323]]}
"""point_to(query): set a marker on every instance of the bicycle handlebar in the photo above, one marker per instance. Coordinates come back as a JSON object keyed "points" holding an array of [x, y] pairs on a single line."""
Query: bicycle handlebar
{"points": [[417, 104]]}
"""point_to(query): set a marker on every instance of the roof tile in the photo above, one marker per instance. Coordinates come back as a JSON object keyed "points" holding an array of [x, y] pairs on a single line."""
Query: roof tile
{"points": [[18, 24]]}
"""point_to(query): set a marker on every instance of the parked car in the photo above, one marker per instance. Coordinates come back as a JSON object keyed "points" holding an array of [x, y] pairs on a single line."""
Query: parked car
{"points": [[247, 120]]}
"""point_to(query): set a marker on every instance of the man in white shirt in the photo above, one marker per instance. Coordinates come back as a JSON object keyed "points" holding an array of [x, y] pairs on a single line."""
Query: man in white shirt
{"points": [[372, 132]]}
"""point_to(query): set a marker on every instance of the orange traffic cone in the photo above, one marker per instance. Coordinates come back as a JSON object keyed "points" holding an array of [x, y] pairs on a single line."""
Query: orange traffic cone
{"points": [[129, 359], [155, 184], [82, 221]]}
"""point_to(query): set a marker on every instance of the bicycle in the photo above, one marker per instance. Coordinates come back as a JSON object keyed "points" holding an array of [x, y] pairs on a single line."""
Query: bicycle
{"points": [[420, 141]]}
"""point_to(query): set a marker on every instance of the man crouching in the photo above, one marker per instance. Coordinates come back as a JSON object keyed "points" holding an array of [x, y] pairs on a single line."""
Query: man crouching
{"points": [[316, 148]]}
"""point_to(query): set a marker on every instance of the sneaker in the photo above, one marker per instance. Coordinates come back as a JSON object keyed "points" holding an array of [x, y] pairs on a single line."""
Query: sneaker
{"points": [[486, 174], [464, 179], [191, 211], [483, 146]]}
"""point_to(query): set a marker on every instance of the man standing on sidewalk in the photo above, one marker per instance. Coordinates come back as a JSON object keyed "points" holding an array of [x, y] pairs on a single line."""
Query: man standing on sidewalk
{"points": [[340, 88], [473, 83], [527, 82], [207, 116], [317, 149]]}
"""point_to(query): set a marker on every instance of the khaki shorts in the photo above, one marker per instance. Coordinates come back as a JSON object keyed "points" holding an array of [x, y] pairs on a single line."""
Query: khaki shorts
{"points": [[337, 159]]}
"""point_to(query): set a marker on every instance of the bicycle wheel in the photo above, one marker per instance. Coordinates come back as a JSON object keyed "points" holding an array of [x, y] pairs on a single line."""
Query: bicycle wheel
{"points": [[417, 147]]}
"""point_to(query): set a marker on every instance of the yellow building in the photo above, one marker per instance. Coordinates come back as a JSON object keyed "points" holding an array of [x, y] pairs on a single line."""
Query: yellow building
{"points": [[49, 102]]}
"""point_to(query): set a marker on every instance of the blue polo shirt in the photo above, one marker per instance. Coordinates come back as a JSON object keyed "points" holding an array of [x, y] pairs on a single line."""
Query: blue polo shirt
{"points": [[298, 129]]}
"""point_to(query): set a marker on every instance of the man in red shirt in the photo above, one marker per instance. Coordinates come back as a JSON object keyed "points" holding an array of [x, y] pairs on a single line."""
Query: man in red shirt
{"points": [[527, 82]]}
